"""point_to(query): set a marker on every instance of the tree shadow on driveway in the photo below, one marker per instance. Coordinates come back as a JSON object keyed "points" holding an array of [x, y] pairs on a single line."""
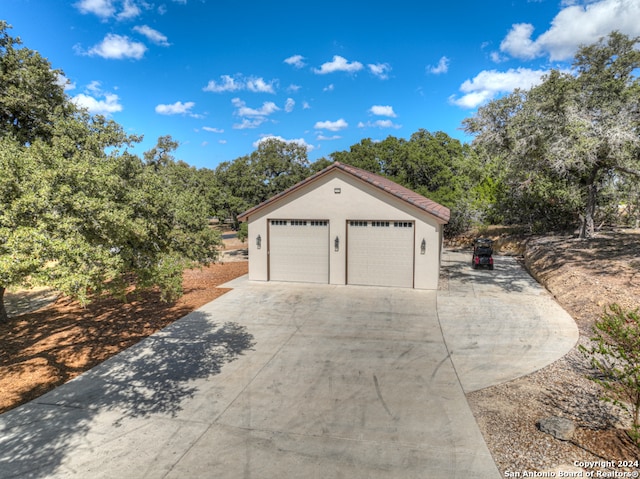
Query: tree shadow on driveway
{"points": [[152, 378], [508, 275]]}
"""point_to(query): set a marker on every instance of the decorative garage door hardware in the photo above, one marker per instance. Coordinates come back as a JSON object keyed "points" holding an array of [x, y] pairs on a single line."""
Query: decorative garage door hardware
{"points": [[382, 224], [299, 222]]}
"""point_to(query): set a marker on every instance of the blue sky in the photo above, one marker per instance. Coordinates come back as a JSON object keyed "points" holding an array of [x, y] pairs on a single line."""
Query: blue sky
{"points": [[219, 76]]}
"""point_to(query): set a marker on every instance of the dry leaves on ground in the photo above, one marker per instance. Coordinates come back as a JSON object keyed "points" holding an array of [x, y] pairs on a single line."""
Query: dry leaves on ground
{"points": [[50, 346]]}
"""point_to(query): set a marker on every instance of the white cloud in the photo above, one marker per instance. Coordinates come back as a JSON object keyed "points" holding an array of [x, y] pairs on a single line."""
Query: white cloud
{"points": [[227, 83], [289, 105], [295, 61], [118, 47], [386, 124], [129, 10], [238, 82], [252, 117], [331, 125], [106, 9], [489, 83], [472, 100], [382, 110], [503, 81], [496, 57], [246, 123], [101, 8], [96, 101], [258, 85], [338, 64], [153, 35], [177, 108], [293, 88], [95, 87], [518, 42], [109, 104], [328, 88], [328, 138], [297, 141], [268, 107], [441, 67], [306, 106], [379, 124], [573, 26], [381, 70], [212, 129], [64, 82]]}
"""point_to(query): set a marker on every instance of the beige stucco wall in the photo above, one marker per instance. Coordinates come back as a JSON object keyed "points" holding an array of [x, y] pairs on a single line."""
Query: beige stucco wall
{"points": [[357, 200]]}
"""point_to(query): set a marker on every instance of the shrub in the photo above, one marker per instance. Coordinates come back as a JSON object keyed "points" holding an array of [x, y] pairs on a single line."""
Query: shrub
{"points": [[243, 231], [615, 355]]}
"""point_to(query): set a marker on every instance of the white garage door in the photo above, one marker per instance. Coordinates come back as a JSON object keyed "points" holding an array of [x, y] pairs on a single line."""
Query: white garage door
{"points": [[380, 253], [299, 250]]}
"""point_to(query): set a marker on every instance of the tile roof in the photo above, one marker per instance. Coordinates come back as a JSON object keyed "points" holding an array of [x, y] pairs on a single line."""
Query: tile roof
{"points": [[405, 194]]}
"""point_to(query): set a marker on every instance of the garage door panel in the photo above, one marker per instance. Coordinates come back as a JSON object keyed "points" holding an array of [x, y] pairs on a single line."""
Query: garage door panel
{"points": [[299, 251], [380, 253]]}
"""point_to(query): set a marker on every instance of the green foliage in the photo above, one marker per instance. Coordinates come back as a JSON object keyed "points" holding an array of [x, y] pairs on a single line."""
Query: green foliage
{"points": [[615, 355], [80, 213], [436, 166], [88, 222], [249, 180], [243, 232], [540, 202], [361, 155], [30, 93], [564, 140], [626, 198], [279, 165], [319, 165]]}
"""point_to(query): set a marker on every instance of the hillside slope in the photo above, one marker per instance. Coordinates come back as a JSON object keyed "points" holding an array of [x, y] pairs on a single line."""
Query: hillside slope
{"points": [[584, 277]]}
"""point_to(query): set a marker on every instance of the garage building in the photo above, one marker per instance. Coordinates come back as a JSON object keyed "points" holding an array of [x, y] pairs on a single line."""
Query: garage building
{"points": [[345, 225]]}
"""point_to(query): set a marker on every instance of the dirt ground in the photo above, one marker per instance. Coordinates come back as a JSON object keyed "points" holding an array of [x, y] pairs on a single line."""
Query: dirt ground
{"points": [[51, 345], [584, 277], [47, 347]]}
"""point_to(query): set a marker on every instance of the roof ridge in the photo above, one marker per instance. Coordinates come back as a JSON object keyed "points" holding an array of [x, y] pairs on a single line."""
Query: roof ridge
{"points": [[385, 184]]}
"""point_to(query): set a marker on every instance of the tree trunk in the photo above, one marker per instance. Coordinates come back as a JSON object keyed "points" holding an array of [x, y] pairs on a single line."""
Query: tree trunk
{"points": [[588, 226], [3, 311]]}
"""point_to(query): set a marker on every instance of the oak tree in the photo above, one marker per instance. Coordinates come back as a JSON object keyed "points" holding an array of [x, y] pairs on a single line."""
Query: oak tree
{"points": [[575, 131], [78, 211]]}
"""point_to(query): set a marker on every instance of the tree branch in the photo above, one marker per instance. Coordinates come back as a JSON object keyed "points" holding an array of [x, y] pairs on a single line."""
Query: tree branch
{"points": [[628, 171]]}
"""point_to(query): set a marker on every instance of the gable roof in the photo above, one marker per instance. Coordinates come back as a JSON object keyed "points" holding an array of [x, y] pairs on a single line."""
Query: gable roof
{"points": [[405, 194]]}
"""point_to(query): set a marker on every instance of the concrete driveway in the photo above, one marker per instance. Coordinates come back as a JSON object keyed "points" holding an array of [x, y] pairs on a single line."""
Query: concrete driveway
{"points": [[290, 380], [501, 324]]}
